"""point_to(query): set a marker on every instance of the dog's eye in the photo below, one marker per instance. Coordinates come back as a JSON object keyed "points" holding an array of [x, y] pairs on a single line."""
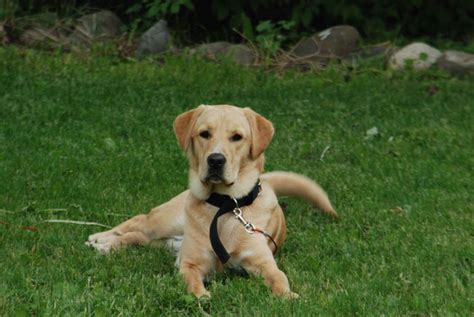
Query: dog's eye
{"points": [[205, 134], [236, 137]]}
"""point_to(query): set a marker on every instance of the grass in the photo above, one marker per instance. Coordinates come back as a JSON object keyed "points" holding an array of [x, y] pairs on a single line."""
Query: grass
{"points": [[90, 139]]}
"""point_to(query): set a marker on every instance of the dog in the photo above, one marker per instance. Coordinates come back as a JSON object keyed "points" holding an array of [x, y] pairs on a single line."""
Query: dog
{"points": [[230, 213]]}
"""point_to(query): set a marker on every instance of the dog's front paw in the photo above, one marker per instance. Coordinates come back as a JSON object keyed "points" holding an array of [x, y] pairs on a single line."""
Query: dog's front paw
{"points": [[203, 295], [105, 241], [290, 295]]}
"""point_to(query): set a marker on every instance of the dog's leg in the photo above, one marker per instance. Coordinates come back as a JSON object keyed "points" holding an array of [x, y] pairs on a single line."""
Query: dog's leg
{"points": [[193, 275], [164, 221], [261, 263], [194, 266]]}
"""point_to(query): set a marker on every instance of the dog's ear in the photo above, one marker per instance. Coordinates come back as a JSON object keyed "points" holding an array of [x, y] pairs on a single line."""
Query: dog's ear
{"points": [[183, 126], [262, 132]]}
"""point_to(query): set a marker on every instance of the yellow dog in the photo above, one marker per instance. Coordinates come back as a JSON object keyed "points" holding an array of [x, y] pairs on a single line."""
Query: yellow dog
{"points": [[230, 214]]}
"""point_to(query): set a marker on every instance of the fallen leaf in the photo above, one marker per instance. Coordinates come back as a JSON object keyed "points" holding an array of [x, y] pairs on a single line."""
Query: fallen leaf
{"points": [[371, 133], [110, 144]]}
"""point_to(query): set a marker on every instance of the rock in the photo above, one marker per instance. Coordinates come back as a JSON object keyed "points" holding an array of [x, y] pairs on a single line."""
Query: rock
{"points": [[39, 35], [335, 42], [34, 36], [211, 50], [238, 53], [102, 24], [377, 50], [420, 55], [155, 40], [99, 26], [457, 62], [38, 29], [6, 33]]}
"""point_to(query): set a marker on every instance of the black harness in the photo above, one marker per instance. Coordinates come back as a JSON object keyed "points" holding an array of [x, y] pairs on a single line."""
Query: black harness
{"points": [[226, 204]]}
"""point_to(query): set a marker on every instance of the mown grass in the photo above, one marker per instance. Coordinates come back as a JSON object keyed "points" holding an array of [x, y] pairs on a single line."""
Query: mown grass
{"points": [[90, 139]]}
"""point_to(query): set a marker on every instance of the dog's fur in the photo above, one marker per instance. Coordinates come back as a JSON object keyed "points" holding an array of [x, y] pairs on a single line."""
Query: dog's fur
{"points": [[239, 135]]}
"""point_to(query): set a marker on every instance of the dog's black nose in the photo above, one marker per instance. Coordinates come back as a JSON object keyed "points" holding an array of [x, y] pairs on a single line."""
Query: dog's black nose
{"points": [[216, 160]]}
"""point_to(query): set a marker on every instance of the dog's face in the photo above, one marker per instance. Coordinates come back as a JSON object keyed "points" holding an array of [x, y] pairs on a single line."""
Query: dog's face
{"points": [[224, 145]]}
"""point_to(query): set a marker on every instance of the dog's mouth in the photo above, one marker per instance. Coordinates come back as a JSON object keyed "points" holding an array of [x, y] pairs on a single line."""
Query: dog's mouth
{"points": [[217, 178], [214, 178]]}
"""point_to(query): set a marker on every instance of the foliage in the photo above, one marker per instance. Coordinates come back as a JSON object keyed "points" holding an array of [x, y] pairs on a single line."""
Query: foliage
{"points": [[271, 35], [15, 8], [149, 10], [8, 9], [205, 19]]}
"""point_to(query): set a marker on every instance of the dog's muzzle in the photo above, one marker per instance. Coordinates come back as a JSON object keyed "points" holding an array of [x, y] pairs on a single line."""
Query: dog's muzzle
{"points": [[215, 163]]}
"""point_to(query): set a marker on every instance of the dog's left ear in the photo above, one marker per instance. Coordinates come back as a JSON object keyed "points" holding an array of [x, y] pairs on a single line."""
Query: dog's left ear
{"points": [[262, 132], [183, 125]]}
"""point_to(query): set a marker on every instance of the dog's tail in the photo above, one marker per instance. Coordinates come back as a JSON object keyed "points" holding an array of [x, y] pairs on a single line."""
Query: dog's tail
{"points": [[295, 185]]}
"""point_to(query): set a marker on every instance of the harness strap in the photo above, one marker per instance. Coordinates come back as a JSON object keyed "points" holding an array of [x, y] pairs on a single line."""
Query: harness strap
{"points": [[225, 204]]}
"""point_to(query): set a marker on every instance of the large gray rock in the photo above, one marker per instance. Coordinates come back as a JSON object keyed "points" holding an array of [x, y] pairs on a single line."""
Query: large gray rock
{"points": [[335, 42], [238, 53], [38, 35], [378, 50], [155, 40], [211, 50], [457, 62], [44, 29], [99, 26], [419, 55]]}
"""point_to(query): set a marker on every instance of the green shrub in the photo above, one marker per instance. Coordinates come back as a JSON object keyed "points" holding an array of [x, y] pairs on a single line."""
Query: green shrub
{"points": [[213, 19]]}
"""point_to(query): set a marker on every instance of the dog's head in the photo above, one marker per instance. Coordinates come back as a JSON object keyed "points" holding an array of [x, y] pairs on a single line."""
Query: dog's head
{"points": [[224, 145]]}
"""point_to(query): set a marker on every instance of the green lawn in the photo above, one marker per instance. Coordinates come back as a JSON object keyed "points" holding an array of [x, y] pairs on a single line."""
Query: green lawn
{"points": [[91, 139]]}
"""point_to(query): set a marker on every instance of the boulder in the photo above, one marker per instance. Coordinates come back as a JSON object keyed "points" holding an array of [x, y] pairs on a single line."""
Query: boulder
{"points": [[335, 42], [155, 40], [238, 53], [419, 55], [211, 50], [384, 49], [38, 35], [44, 29], [99, 26], [457, 62]]}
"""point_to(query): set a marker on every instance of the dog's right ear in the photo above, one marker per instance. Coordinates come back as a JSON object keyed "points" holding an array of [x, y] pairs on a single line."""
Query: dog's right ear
{"points": [[183, 126]]}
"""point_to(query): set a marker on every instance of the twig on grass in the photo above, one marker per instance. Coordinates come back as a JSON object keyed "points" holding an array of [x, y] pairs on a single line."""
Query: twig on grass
{"points": [[116, 215], [54, 209], [6, 211], [87, 223], [324, 152]]}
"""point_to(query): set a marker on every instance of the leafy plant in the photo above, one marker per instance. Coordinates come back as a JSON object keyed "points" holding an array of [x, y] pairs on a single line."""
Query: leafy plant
{"points": [[216, 18], [272, 35], [8, 9], [149, 11]]}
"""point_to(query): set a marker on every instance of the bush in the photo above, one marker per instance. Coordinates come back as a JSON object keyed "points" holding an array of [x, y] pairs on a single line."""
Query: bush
{"points": [[215, 19]]}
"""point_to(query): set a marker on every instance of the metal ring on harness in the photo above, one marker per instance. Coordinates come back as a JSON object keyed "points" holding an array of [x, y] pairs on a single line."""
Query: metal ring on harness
{"points": [[250, 228]]}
